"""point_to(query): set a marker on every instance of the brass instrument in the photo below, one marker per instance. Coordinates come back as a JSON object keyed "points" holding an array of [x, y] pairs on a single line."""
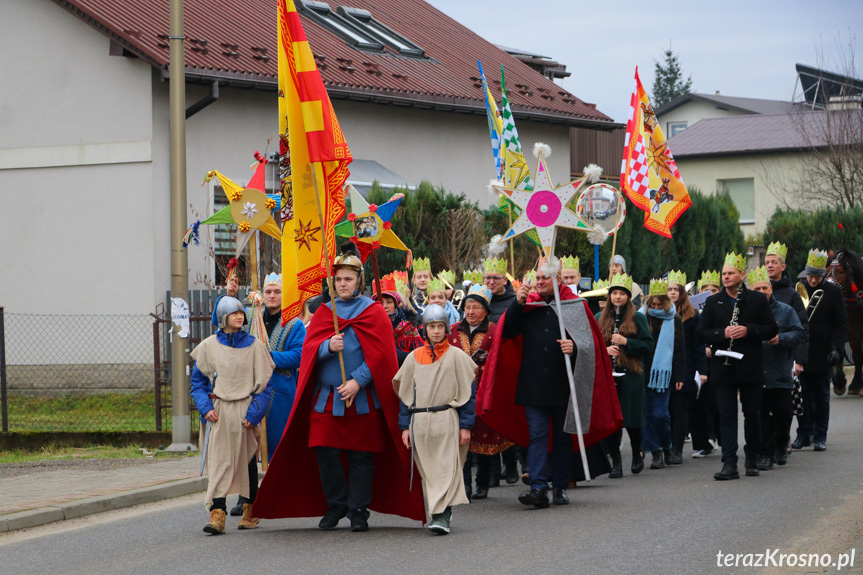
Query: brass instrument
{"points": [[811, 304], [457, 295], [603, 292]]}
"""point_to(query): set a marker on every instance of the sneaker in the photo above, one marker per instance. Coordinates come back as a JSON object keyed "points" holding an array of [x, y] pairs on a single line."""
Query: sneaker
{"points": [[440, 522], [359, 520], [687, 439], [764, 463], [702, 453]]}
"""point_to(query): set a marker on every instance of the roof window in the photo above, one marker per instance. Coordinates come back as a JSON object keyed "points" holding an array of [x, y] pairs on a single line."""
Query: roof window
{"points": [[390, 38]]}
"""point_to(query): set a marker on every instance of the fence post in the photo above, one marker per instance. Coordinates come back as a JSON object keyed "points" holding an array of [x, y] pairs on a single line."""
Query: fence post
{"points": [[3, 400]]}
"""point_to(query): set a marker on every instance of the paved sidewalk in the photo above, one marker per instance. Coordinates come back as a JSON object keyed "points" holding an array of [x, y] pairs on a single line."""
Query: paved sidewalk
{"points": [[35, 496]]}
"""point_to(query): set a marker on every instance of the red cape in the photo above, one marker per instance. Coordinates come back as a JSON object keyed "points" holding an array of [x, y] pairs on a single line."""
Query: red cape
{"points": [[495, 397], [292, 484]]}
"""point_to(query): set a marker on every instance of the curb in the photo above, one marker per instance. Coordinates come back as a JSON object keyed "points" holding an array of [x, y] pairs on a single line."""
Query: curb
{"points": [[92, 505]]}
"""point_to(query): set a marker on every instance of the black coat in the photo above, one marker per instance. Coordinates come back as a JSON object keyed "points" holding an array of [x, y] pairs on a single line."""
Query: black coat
{"points": [[785, 293], [827, 328], [755, 314], [678, 360], [696, 359], [500, 302], [542, 379]]}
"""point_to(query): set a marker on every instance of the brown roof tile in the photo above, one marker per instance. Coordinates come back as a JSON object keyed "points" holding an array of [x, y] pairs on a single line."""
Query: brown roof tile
{"points": [[237, 41]]}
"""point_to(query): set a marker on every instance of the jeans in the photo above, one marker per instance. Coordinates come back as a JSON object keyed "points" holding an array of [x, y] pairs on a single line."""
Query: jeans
{"points": [[815, 389], [750, 400], [656, 433], [538, 419]]}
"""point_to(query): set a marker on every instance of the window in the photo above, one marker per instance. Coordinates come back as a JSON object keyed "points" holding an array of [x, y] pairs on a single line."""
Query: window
{"points": [[343, 27], [400, 44], [675, 128], [742, 192]]}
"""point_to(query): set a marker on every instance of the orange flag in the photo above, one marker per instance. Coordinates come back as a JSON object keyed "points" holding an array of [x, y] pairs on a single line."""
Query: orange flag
{"points": [[649, 175], [311, 138]]}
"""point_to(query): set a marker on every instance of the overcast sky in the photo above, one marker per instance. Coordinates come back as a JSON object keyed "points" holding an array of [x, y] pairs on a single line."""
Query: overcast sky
{"points": [[741, 48]]}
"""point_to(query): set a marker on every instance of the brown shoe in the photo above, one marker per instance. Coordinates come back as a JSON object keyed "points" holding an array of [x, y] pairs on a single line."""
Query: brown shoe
{"points": [[248, 522], [216, 525]]}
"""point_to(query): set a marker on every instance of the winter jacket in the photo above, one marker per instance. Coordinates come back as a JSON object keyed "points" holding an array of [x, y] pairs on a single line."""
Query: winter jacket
{"points": [[779, 358], [785, 293], [828, 325], [500, 302]]}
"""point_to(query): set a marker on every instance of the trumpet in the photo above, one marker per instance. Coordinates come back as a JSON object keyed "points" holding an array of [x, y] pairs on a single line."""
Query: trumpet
{"points": [[811, 304], [602, 292]]}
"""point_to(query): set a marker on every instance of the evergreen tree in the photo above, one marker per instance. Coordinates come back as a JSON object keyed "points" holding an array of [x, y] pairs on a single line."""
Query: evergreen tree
{"points": [[668, 80]]}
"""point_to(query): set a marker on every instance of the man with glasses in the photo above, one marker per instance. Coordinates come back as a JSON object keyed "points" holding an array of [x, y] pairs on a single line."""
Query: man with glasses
{"points": [[494, 278]]}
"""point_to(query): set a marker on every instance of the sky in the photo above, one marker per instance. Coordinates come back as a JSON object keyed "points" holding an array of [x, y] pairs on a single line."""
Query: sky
{"points": [[740, 48]]}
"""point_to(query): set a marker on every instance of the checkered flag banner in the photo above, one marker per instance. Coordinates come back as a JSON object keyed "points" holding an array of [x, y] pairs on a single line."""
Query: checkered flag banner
{"points": [[648, 174]]}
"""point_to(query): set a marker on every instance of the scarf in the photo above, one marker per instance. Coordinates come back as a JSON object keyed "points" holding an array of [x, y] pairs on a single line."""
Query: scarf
{"points": [[660, 371], [397, 317]]}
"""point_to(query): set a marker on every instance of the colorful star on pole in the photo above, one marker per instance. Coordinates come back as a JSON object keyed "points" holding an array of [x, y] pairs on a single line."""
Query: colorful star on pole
{"points": [[545, 208], [369, 226]]}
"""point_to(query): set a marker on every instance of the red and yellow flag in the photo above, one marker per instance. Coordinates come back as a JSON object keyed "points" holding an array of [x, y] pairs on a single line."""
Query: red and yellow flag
{"points": [[310, 135], [649, 175]]}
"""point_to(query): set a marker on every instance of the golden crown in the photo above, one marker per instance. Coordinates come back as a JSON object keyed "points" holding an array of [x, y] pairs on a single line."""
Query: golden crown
{"points": [[494, 266], [530, 277], [481, 291], [436, 285], [622, 281], [422, 265], [658, 287], [758, 275], [777, 249], [817, 259], [709, 277], [735, 260], [600, 284], [677, 277], [473, 276], [273, 279], [448, 277], [569, 263]]}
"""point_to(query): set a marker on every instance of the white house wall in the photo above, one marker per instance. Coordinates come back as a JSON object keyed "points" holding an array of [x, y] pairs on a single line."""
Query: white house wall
{"points": [[691, 113]]}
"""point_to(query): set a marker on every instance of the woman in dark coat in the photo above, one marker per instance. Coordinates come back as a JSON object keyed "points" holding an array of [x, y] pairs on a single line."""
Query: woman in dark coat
{"points": [[665, 369], [626, 348], [682, 400]]}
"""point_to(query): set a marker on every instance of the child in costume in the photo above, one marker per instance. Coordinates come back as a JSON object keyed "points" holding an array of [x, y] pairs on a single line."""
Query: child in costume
{"points": [[435, 381], [405, 333], [231, 389], [437, 294]]}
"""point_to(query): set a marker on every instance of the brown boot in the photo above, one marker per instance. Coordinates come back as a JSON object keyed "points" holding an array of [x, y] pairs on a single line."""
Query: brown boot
{"points": [[216, 525], [248, 522]]}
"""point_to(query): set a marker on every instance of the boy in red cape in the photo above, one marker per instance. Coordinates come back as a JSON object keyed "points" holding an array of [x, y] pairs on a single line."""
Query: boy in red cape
{"points": [[325, 437], [524, 393]]}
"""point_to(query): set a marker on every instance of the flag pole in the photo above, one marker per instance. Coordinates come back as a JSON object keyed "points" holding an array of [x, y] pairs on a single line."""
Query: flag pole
{"points": [[333, 295], [511, 245], [378, 289]]}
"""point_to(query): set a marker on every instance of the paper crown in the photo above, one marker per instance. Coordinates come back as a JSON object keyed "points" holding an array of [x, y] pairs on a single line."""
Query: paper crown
{"points": [[480, 290], [388, 283], [401, 276], [473, 276], [817, 259], [777, 249], [448, 277], [658, 287], [422, 265], [677, 277], [735, 260], [569, 263], [709, 277], [622, 281], [600, 284], [273, 279], [758, 275], [435, 285], [530, 277], [494, 266]]}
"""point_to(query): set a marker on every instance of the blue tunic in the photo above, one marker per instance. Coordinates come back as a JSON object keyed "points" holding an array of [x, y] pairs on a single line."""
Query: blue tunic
{"points": [[284, 380], [329, 376]]}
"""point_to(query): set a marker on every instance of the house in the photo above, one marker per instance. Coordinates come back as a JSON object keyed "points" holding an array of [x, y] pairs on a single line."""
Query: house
{"points": [[84, 147], [689, 108]]}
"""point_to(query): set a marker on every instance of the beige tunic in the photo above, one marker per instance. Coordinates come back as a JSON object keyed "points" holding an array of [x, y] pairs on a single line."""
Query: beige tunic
{"points": [[241, 373], [437, 452]]}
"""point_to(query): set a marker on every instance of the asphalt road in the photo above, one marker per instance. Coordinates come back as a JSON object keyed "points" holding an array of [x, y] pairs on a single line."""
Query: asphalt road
{"points": [[667, 521]]}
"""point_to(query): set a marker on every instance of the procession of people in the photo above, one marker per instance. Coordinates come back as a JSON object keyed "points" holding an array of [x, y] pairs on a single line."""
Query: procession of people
{"points": [[394, 410]]}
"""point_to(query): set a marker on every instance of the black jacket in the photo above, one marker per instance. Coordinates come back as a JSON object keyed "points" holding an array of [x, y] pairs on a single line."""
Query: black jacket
{"points": [[678, 360], [755, 314], [827, 328], [542, 379], [778, 359], [785, 293], [696, 359], [500, 302]]}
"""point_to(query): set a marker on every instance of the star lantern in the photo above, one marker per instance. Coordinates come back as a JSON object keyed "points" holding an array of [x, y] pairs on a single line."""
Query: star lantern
{"points": [[545, 208], [369, 226]]}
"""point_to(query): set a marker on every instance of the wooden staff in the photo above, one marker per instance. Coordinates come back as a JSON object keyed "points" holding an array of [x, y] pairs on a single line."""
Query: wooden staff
{"points": [[614, 241], [253, 271], [333, 295], [378, 289]]}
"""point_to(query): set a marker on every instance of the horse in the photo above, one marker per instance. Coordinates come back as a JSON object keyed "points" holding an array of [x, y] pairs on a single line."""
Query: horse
{"points": [[845, 270]]}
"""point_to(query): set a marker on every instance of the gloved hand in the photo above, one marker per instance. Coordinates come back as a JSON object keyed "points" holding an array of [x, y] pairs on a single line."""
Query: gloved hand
{"points": [[480, 357], [835, 358]]}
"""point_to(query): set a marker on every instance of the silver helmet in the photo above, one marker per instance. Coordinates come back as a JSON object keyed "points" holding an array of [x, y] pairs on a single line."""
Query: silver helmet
{"points": [[226, 306], [434, 313]]}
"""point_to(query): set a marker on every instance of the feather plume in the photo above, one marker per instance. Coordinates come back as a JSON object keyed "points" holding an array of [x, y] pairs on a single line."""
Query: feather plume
{"points": [[540, 148], [495, 247], [593, 172], [549, 267], [491, 184], [598, 236]]}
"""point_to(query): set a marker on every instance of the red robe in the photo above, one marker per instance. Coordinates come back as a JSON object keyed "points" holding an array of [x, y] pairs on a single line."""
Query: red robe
{"points": [[495, 398], [292, 484]]}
